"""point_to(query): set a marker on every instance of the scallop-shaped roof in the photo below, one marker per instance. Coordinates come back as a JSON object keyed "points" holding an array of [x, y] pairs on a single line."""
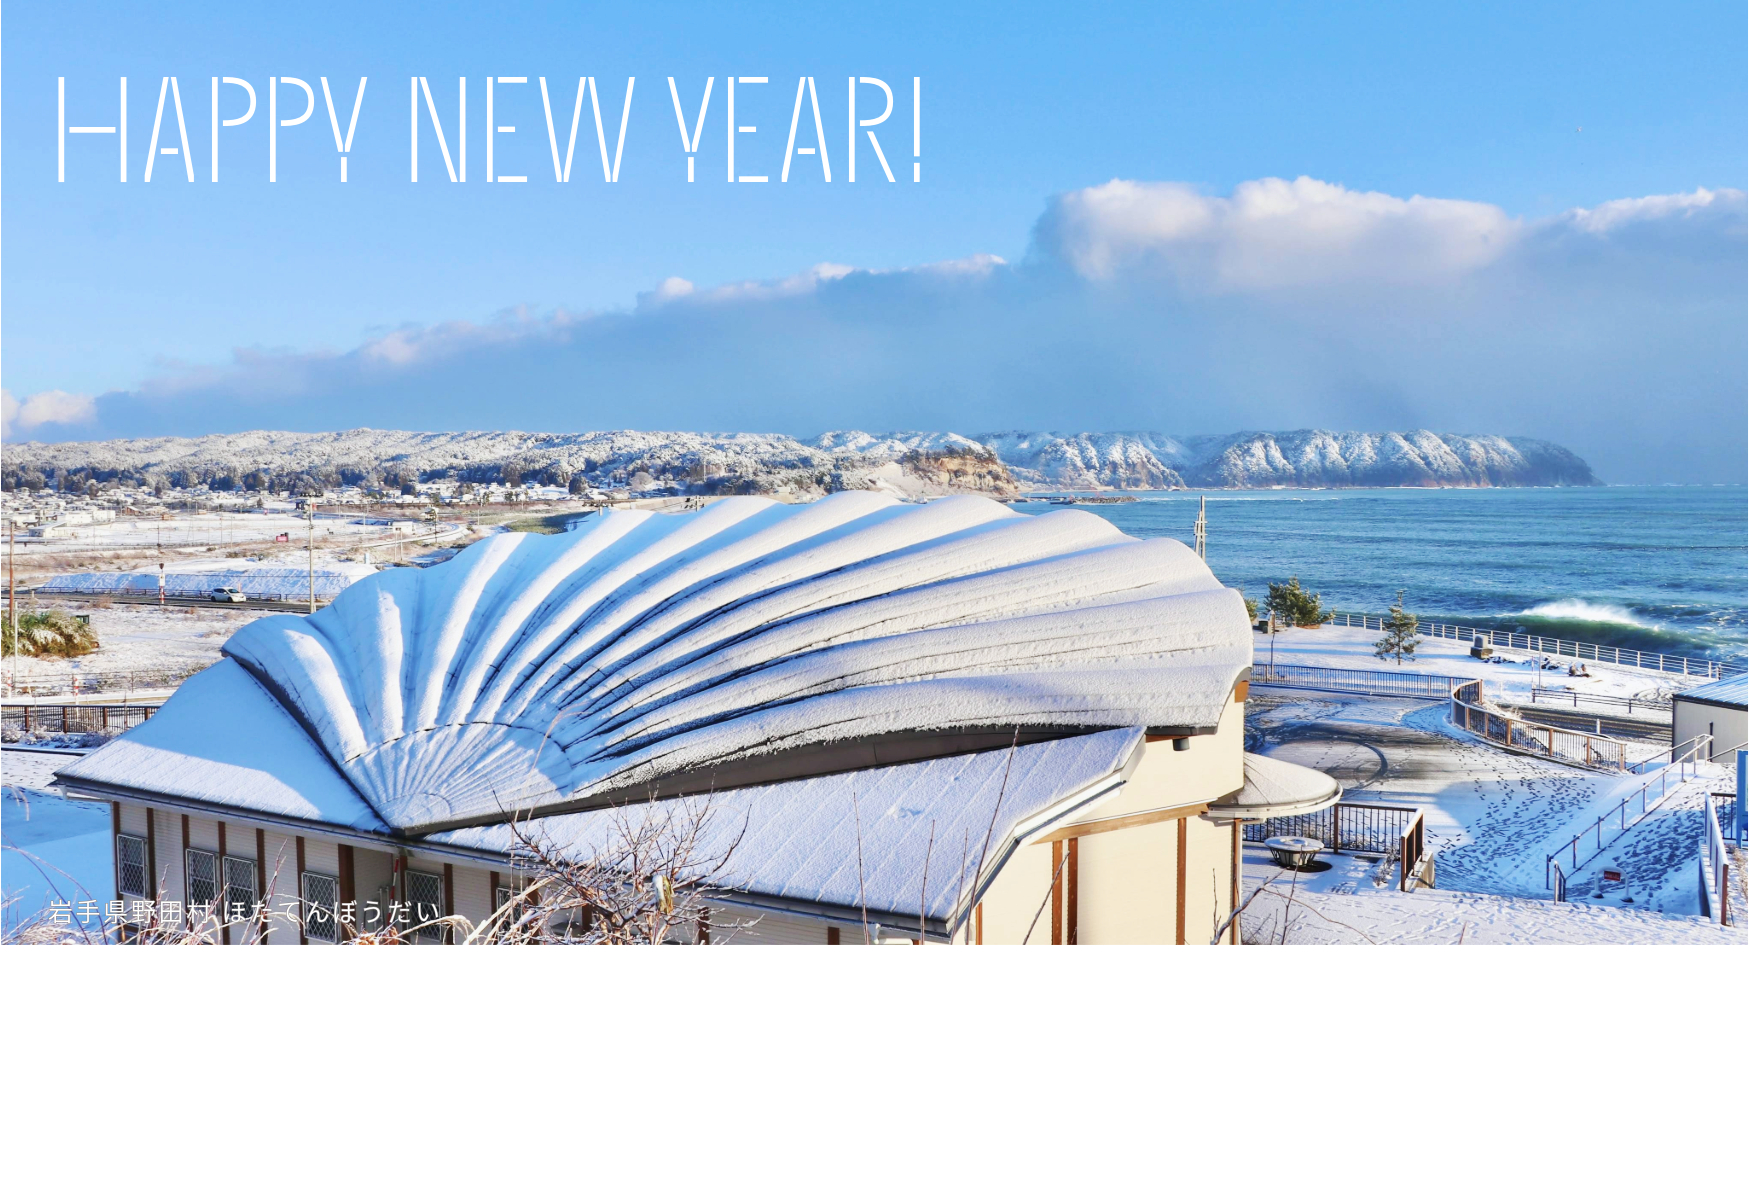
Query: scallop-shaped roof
{"points": [[750, 642]]}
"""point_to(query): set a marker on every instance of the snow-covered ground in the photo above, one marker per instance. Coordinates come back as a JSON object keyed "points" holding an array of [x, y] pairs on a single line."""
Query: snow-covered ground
{"points": [[1344, 905], [1493, 816], [1353, 648], [138, 638], [53, 848]]}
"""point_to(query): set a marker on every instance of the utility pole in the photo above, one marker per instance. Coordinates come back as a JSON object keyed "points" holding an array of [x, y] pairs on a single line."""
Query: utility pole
{"points": [[310, 518], [1272, 643], [1202, 528]]}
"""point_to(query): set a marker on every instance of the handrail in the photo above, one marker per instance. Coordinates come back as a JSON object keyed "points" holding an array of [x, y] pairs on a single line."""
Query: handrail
{"points": [[1622, 823], [1712, 849], [1671, 750], [1504, 730]]}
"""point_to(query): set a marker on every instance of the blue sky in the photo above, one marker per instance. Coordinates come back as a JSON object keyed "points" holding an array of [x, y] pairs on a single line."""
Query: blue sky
{"points": [[543, 306]]}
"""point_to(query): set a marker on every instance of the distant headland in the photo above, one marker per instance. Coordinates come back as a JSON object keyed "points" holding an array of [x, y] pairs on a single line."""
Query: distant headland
{"points": [[998, 463]]}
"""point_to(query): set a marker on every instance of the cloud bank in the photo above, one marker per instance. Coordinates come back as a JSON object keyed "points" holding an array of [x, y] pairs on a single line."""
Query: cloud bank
{"points": [[1618, 331], [40, 410]]}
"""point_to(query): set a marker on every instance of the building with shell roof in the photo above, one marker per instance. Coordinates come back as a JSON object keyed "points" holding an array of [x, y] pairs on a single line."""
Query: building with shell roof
{"points": [[947, 721]]}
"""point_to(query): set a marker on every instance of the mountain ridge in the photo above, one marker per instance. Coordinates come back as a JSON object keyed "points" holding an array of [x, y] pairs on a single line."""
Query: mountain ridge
{"points": [[997, 463]]}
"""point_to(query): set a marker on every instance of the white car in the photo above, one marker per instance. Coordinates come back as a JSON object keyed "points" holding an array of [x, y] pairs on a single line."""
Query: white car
{"points": [[227, 595]]}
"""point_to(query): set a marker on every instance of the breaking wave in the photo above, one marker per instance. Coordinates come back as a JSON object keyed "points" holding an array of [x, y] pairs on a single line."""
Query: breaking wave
{"points": [[1579, 610]]}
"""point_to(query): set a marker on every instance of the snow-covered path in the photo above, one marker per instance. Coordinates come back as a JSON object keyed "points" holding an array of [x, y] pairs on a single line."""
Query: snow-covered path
{"points": [[1452, 917], [1493, 816]]}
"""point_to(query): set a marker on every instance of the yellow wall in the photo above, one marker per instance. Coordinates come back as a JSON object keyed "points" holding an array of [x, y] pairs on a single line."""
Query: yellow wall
{"points": [[1126, 881]]}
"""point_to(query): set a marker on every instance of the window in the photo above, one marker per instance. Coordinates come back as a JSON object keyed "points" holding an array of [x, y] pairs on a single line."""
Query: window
{"points": [[130, 865], [239, 888], [321, 907], [425, 895], [505, 896], [203, 878]]}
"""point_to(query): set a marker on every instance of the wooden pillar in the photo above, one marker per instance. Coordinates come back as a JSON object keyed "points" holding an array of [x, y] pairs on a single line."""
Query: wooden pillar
{"points": [[448, 901], [1056, 892], [1238, 862], [303, 936], [151, 855], [1074, 896], [261, 899], [224, 920], [978, 922], [115, 845], [1183, 871], [348, 886], [187, 899]]}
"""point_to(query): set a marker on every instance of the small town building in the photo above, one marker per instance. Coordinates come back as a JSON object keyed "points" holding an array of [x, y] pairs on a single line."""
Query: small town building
{"points": [[949, 722], [1719, 709]]}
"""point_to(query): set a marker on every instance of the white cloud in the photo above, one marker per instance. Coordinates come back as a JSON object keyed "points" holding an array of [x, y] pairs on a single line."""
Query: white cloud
{"points": [[1612, 215], [39, 410], [1272, 233], [1140, 306]]}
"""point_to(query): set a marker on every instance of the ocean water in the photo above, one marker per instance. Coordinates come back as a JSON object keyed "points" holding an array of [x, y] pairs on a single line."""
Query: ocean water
{"points": [[1655, 568]]}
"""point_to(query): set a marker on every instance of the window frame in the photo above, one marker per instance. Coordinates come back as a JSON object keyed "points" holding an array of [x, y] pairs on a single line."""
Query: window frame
{"points": [[226, 886], [305, 903], [216, 878], [433, 935], [134, 840]]}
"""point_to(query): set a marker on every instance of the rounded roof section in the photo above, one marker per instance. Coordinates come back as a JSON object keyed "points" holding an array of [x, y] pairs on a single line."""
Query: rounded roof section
{"points": [[1276, 788], [550, 672]]}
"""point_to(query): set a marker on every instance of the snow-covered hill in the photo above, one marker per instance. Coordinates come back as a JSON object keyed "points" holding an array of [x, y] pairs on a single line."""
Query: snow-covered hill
{"points": [[995, 463]]}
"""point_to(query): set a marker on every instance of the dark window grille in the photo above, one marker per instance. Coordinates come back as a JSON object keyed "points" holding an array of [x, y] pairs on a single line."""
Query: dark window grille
{"points": [[425, 899], [239, 888], [203, 878], [321, 904], [130, 865]]}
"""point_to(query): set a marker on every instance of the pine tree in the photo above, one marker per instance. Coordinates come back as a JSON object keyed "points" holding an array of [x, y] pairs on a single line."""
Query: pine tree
{"points": [[1399, 639], [1296, 607]]}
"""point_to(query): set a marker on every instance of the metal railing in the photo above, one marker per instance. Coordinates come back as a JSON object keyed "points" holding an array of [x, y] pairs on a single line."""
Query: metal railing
{"points": [[1650, 796], [1725, 805], [1533, 738], [1382, 829], [1377, 682], [1577, 649], [99, 683], [1715, 888], [1682, 764], [70, 720], [1651, 705]]}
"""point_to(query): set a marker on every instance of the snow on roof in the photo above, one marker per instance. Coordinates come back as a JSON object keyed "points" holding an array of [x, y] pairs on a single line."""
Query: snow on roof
{"points": [[1276, 788], [1731, 691], [223, 740], [546, 672], [798, 841]]}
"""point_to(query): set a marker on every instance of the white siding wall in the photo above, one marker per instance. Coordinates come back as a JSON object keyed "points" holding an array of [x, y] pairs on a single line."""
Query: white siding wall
{"points": [[283, 888], [167, 836], [473, 892], [759, 927], [1730, 727], [322, 857], [372, 870]]}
